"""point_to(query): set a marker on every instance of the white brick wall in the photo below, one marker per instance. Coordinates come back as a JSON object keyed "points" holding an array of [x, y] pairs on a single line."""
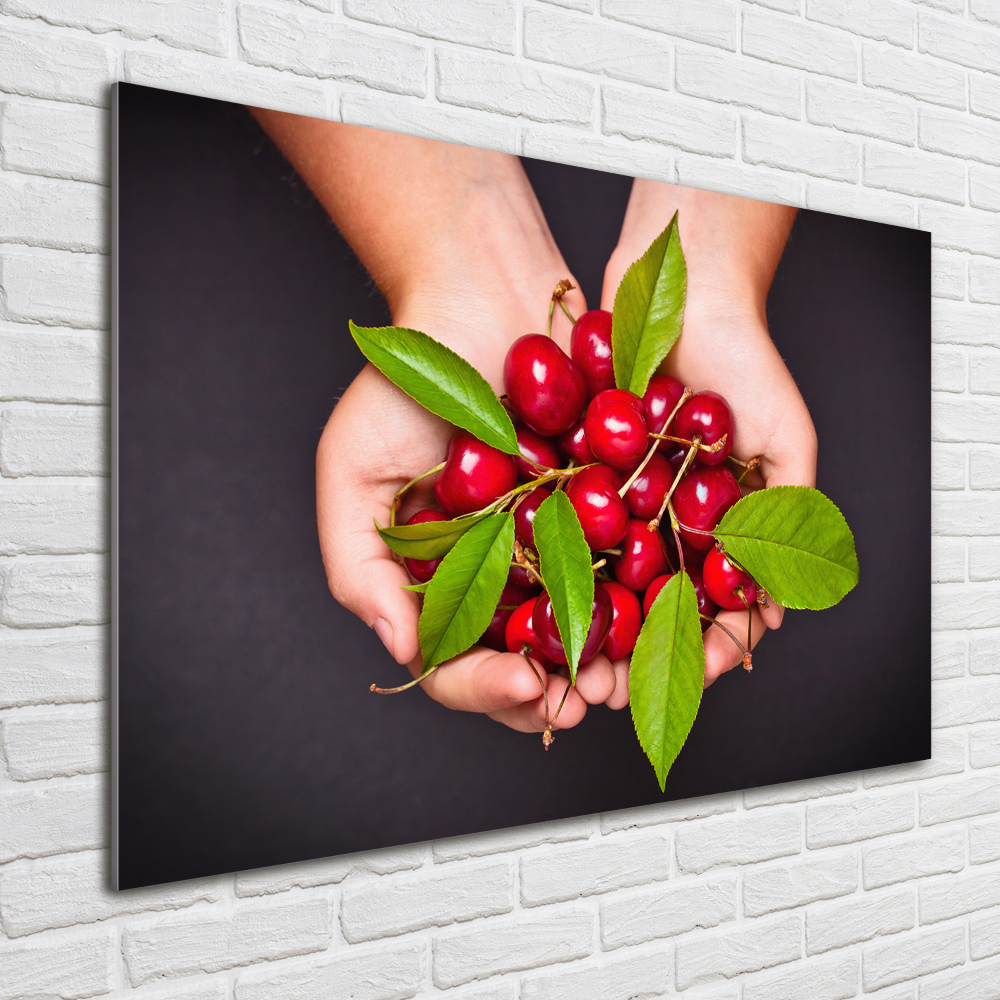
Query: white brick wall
{"points": [[884, 884]]}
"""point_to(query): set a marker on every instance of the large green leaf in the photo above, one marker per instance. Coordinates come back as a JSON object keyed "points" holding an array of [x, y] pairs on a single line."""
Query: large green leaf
{"points": [[649, 311], [465, 589], [667, 674], [429, 539], [564, 561], [439, 380], [795, 543]]}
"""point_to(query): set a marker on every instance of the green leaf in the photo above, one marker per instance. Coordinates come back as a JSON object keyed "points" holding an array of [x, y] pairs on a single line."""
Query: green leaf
{"points": [[465, 590], [667, 674], [564, 560], [417, 588], [429, 539], [795, 543], [649, 311], [439, 380]]}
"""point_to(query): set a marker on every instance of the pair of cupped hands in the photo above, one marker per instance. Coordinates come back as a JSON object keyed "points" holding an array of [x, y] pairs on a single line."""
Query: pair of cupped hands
{"points": [[458, 244]]}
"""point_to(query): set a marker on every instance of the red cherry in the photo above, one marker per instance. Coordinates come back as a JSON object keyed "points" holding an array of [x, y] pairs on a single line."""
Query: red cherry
{"points": [[705, 605], [474, 475], [521, 630], [693, 558], [646, 493], [700, 500], [538, 454], [602, 513], [547, 632], [615, 426], [674, 453], [574, 443], [544, 388], [661, 396], [511, 598], [706, 414], [643, 558], [590, 348], [723, 580], [626, 621], [520, 577], [525, 515], [423, 569]]}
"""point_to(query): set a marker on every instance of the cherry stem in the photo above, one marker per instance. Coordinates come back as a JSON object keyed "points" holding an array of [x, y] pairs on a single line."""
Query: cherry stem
{"points": [[402, 491], [754, 463], [562, 287], [404, 687], [715, 621], [561, 703], [565, 309], [547, 736], [638, 472], [677, 537], [688, 459], [712, 448], [548, 332], [747, 658], [597, 565]]}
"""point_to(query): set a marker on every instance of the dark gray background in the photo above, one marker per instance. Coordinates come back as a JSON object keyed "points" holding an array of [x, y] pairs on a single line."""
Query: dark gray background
{"points": [[247, 734]]}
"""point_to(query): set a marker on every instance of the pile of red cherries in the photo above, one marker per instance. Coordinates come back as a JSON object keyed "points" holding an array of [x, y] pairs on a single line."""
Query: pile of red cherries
{"points": [[568, 415]]}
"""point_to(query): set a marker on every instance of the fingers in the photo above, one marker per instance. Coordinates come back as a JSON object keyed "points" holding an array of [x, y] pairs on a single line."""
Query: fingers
{"points": [[596, 680], [772, 615], [721, 653], [530, 717], [619, 697]]}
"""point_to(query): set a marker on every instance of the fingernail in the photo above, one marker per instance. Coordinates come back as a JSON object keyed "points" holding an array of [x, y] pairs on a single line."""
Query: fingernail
{"points": [[384, 631]]}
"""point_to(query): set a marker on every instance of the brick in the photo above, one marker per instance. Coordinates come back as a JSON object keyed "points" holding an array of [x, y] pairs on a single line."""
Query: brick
{"points": [[984, 935], [220, 79], [733, 80], [585, 5], [320, 47], [948, 656], [977, 412], [52, 518], [487, 24], [947, 747], [824, 979], [669, 812], [947, 560], [984, 653], [514, 839], [855, 109], [890, 962], [46, 668], [984, 842], [960, 42], [947, 275], [511, 946], [409, 903], [191, 24], [947, 467], [962, 229], [781, 887], [947, 369], [984, 95], [984, 747], [60, 289], [900, 860], [952, 6], [634, 976], [903, 73], [799, 147], [984, 187], [64, 965], [984, 281], [505, 989], [973, 606], [383, 973], [955, 895], [914, 173], [712, 22], [750, 948], [959, 135], [53, 744], [959, 799], [667, 911], [984, 560], [741, 839], [787, 6], [963, 703], [551, 874], [858, 818], [56, 441], [976, 982], [985, 10], [43, 593], [877, 19], [596, 47], [800, 791], [329, 871], [430, 121], [55, 818], [54, 66], [598, 152], [661, 118], [54, 141], [512, 88], [799, 44], [201, 943], [859, 918], [855, 201], [73, 889], [49, 366], [984, 468]]}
